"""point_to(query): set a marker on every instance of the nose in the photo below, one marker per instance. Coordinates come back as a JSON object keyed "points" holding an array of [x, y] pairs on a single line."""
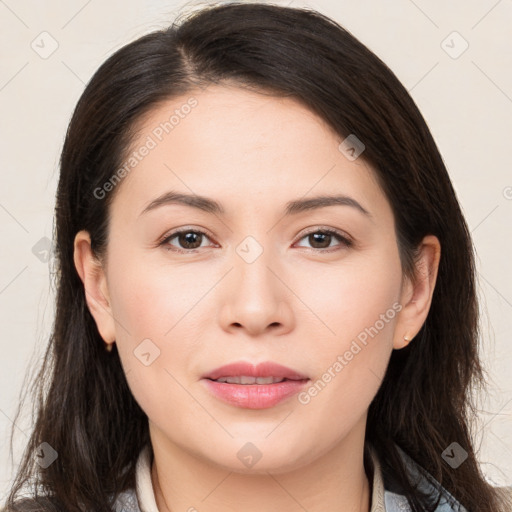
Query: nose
{"points": [[256, 298]]}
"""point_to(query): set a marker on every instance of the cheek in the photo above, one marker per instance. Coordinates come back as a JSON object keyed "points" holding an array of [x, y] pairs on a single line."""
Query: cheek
{"points": [[148, 299], [153, 335], [155, 308], [358, 305], [346, 297]]}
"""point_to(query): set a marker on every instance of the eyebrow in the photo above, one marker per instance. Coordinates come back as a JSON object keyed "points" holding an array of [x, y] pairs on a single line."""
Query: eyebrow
{"points": [[209, 205]]}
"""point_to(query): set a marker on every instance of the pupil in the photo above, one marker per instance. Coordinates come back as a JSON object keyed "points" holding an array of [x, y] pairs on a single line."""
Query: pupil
{"points": [[317, 237], [188, 239]]}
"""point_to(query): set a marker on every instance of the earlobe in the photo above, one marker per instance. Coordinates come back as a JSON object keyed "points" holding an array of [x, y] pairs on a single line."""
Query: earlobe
{"points": [[417, 294], [93, 277]]}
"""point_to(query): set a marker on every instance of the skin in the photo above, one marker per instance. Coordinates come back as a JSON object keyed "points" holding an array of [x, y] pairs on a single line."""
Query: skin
{"points": [[297, 304]]}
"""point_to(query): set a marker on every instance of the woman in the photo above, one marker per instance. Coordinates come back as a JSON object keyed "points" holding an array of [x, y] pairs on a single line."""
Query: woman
{"points": [[266, 292]]}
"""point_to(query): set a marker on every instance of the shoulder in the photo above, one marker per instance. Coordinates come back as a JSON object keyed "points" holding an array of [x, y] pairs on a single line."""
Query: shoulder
{"points": [[447, 503], [126, 502], [423, 481]]}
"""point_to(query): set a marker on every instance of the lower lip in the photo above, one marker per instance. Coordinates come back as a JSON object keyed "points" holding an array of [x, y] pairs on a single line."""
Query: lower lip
{"points": [[255, 396]]}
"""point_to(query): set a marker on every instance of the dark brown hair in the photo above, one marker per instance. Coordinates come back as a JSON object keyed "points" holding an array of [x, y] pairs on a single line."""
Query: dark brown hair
{"points": [[84, 408]]}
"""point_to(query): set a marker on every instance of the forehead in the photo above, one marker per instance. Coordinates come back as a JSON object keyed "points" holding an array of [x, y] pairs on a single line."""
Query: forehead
{"points": [[232, 143]]}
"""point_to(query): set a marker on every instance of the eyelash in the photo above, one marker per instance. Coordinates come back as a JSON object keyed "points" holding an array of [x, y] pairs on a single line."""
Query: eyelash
{"points": [[345, 241]]}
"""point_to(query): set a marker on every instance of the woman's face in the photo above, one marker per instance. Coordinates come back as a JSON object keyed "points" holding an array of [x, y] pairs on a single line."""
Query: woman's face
{"points": [[256, 284]]}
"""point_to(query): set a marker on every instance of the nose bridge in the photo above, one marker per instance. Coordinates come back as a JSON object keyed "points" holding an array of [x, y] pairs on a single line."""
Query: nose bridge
{"points": [[256, 298], [252, 259]]}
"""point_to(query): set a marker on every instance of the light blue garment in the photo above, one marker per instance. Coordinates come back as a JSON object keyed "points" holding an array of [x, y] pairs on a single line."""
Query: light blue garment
{"points": [[127, 502], [398, 503]]}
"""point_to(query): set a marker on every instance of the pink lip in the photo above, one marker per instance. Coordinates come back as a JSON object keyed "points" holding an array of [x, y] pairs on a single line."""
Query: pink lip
{"points": [[265, 369], [255, 396]]}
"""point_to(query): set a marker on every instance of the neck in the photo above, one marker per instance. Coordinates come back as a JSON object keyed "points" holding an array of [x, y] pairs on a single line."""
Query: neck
{"points": [[336, 480]]}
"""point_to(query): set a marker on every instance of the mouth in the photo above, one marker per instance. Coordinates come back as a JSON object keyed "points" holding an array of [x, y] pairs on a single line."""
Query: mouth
{"points": [[254, 386]]}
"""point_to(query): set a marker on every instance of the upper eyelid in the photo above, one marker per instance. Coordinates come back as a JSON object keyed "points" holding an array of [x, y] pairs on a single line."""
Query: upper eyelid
{"points": [[321, 228], [185, 229]]}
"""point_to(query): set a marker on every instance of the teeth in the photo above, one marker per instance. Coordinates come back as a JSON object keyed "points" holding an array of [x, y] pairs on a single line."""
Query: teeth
{"points": [[250, 380]]}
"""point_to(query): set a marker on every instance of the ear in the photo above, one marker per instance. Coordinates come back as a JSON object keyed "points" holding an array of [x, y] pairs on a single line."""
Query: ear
{"points": [[416, 295], [92, 274]]}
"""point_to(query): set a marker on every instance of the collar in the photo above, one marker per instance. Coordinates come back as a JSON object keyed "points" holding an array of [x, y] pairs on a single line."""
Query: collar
{"points": [[142, 498]]}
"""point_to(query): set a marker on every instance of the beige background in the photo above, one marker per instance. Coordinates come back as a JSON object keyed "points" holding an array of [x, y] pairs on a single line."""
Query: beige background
{"points": [[465, 97]]}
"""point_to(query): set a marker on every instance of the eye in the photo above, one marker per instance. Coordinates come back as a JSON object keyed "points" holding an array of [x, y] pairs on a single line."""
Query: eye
{"points": [[189, 240], [321, 239]]}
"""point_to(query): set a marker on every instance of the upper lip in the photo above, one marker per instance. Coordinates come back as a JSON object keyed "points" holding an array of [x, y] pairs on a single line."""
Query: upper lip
{"points": [[265, 369]]}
